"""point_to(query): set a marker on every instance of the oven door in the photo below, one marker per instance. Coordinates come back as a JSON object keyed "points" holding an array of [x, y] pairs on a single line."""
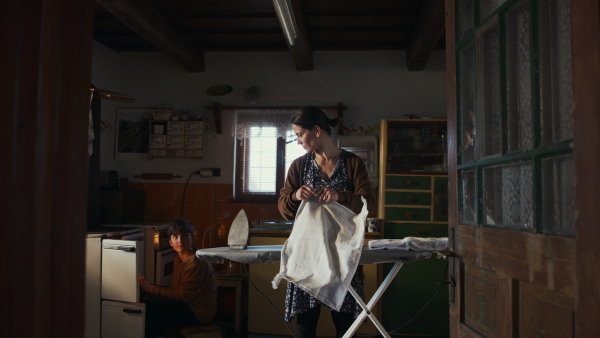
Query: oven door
{"points": [[165, 260]]}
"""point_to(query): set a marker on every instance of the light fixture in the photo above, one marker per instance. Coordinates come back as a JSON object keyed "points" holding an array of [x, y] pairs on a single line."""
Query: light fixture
{"points": [[286, 18]]}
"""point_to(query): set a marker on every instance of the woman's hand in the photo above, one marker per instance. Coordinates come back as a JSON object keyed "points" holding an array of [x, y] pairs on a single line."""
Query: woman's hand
{"points": [[144, 285], [305, 193], [327, 195]]}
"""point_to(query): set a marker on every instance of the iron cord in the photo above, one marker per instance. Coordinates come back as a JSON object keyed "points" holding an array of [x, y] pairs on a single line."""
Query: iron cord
{"points": [[268, 300]]}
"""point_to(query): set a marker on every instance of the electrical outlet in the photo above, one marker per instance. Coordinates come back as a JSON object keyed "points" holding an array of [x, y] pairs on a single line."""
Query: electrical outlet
{"points": [[209, 172]]}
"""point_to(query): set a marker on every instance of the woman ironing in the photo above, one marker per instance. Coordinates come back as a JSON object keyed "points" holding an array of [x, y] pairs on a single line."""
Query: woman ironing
{"points": [[330, 174]]}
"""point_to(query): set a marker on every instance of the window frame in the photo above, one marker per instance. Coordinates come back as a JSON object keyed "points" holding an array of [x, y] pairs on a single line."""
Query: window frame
{"points": [[239, 151], [541, 93], [241, 156]]}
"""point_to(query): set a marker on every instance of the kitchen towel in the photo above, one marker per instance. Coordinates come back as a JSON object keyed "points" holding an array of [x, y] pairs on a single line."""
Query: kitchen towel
{"points": [[322, 253]]}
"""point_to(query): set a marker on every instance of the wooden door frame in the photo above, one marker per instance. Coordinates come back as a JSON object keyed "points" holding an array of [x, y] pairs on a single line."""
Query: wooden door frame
{"points": [[45, 77], [585, 30], [585, 24]]}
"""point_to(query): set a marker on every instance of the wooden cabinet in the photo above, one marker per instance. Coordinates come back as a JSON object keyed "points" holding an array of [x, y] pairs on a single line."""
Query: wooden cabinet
{"points": [[413, 201], [175, 138]]}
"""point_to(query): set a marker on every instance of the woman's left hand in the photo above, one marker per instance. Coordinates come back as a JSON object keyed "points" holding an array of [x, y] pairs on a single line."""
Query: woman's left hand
{"points": [[327, 195]]}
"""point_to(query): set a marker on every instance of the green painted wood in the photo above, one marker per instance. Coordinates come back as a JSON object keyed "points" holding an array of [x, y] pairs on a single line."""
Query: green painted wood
{"points": [[408, 214], [408, 182], [440, 199], [407, 198]]}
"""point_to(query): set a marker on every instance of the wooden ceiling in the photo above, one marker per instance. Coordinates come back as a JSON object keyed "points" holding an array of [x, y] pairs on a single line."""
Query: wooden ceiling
{"points": [[186, 29]]}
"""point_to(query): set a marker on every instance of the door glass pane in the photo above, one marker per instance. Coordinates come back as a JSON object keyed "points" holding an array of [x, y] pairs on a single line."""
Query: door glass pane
{"points": [[557, 94], [558, 193], [490, 100], [519, 129], [468, 212], [465, 16], [467, 103], [486, 7], [508, 196]]}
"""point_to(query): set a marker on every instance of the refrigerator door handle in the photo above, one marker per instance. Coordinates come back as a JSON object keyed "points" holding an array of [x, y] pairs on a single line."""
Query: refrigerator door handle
{"points": [[126, 248], [137, 311]]}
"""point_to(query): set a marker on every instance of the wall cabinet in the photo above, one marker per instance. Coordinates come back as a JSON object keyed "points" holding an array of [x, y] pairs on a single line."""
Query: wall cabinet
{"points": [[175, 138], [413, 201]]}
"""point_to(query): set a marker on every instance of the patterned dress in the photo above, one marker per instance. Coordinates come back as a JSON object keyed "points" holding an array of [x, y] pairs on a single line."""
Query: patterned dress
{"points": [[296, 300]]}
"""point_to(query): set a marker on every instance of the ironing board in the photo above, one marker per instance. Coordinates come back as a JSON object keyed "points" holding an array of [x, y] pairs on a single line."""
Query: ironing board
{"points": [[264, 254]]}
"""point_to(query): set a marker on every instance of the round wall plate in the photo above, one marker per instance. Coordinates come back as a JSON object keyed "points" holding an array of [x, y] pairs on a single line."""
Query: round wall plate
{"points": [[219, 90]]}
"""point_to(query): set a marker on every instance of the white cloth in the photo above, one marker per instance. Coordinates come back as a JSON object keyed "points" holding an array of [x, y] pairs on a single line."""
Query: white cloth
{"points": [[389, 244], [411, 243], [322, 253]]}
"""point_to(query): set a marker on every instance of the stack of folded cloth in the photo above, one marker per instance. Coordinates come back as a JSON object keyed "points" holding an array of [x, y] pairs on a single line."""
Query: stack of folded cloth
{"points": [[411, 243]]}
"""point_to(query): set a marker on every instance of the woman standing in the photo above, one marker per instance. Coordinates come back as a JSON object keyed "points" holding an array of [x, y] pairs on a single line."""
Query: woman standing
{"points": [[330, 174]]}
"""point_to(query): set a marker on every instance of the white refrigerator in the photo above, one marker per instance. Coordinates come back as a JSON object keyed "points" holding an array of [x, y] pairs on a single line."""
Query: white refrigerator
{"points": [[112, 288]]}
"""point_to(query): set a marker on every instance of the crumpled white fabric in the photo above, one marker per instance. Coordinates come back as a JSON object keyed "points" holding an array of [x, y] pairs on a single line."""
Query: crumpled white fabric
{"points": [[322, 253]]}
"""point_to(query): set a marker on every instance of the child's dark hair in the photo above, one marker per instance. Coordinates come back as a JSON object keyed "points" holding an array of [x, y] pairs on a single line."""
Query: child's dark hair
{"points": [[180, 226], [308, 117]]}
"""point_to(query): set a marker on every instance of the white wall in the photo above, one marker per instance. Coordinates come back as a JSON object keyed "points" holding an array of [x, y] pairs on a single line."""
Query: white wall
{"points": [[373, 85]]}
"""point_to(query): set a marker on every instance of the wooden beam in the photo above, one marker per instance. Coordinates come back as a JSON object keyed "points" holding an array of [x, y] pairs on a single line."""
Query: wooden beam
{"points": [[300, 50], [150, 24], [426, 34]]}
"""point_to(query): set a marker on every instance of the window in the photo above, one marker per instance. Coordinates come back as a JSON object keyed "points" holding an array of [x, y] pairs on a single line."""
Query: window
{"points": [[265, 147], [515, 117]]}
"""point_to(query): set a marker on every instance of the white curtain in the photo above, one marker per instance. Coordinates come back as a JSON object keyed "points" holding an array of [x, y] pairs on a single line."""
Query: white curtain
{"points": [[244, 119]]}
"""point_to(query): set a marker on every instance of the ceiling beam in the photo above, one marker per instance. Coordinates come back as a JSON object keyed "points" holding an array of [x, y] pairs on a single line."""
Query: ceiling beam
{"points": [[300, 50], [150, 24], [426, 34]]}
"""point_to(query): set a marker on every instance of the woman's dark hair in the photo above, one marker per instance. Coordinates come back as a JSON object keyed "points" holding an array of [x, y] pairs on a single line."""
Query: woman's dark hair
{"points": [[180, 226], [308, 117]]}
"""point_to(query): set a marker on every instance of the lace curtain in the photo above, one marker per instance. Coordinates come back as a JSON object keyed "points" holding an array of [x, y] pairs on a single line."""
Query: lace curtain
{"points": [[244, 119]]}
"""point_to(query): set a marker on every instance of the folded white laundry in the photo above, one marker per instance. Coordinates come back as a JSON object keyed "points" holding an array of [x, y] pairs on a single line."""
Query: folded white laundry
{"points": [[410, 243], [322, 253], [427, 243], [389, 244]]}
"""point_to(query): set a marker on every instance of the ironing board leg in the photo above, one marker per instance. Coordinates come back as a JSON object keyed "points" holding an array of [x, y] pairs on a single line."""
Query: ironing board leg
{"points": [[368, 307]]}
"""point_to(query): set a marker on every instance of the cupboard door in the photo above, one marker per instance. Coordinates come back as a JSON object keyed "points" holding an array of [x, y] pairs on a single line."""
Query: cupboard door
{"points": [[408, 214], [407, 182], [407, 198], [440, 199], [415, 284]]}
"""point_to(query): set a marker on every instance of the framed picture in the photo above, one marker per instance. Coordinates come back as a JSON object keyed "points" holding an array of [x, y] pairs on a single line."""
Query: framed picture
{"points": [[193, 141], [133, 131], [176, 127], [175, 141], [194, 127]]}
